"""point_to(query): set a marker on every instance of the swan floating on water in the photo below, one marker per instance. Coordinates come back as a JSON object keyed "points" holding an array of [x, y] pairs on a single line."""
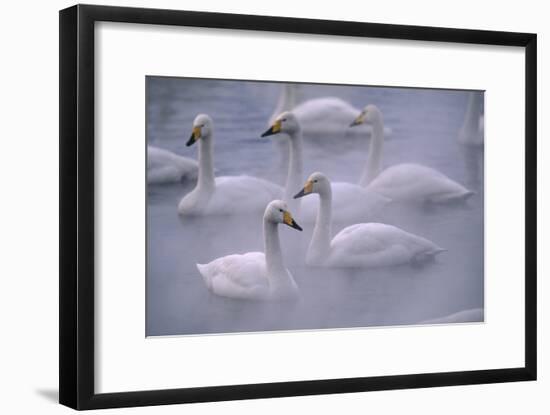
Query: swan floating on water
{"points": [[361, 245], [473, 128], [256, 275], [324, 120], [163, 166], [407, 181], [227, 194], [351, 201], [464, 316]]}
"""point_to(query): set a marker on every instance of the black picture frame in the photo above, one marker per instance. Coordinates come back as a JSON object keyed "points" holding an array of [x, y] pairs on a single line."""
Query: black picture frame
{"points": [[77, 173]]}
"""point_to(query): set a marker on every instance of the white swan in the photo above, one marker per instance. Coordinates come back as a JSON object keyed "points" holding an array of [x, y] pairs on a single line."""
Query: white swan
{"points": [[324, 120], [464, 316], [360, 245], [472, 130], [407, 181], [256, 275], [352, 202], [163, 166], [222, 195]]}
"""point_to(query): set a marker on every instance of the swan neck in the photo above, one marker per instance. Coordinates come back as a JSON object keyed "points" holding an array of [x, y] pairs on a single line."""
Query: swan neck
{"points": [[273, 255], [319, 247], [374, 159], [206, 178], [295, 170]]}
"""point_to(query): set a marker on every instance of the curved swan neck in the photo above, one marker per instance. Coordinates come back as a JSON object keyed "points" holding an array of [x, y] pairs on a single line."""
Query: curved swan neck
{"points": [[470, 130], [374, 160], [273, 254], [295, 169], [319, 247], [206, 178]]}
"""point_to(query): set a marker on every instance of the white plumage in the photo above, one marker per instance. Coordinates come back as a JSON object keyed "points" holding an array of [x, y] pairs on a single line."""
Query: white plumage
{"points": [[407, 181], [225, 195], [163, 166], [360, 245], [255, 275]]}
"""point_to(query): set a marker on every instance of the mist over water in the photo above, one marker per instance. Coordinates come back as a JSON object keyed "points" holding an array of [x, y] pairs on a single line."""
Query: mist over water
{"points": [[425, 125]]}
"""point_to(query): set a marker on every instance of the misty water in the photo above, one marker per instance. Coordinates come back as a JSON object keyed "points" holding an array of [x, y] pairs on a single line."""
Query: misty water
{"points": [[425, 125]]}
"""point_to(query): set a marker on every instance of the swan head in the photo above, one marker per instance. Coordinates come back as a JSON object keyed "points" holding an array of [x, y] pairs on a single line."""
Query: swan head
{"points": [[316, 183], [277, 212], [202, 128], [285, 122], [370, 115]]}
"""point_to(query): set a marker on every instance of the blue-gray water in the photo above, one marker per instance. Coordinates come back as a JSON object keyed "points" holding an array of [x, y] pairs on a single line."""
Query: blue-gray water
{"points": [[425, 126]]}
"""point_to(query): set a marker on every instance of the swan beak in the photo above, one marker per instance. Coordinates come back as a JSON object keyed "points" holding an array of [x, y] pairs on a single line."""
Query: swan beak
{"points": [[288, 220], [359, 120], [274, 129], [195, 135], [308, 188]]}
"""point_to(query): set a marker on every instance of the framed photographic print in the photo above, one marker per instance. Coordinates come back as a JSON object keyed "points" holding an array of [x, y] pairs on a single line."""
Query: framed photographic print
{"points": [[258, 206]]}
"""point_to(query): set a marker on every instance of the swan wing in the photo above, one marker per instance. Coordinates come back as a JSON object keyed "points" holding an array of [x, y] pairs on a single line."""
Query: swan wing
{"points": [[237, 276], [377, 244], [350, 202], [408, 182], [163, 166], [240, 194]]}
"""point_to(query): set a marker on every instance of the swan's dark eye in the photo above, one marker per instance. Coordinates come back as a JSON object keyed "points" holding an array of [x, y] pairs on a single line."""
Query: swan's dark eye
{"points": [[284, 119], [281, 210], [315, 181]]}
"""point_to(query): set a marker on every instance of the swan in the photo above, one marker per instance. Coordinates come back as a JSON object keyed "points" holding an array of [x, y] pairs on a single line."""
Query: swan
{"points": [[256, 275], [163, 166], [222, 195], [464, 316], [324, 120], [359, 245], [350, 200], [407, 181], [472, 130]]}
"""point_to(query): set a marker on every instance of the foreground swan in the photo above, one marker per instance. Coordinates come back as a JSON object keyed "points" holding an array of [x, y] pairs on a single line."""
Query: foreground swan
{"points": [[351, 201], [227, 194], [472, 130], [403, 182], [363, 244], [163, 166], [256, 275]]}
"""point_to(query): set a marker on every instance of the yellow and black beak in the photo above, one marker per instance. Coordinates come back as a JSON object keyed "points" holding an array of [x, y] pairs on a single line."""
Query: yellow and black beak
{"points": [[288, 220], [274, 129], [195, 135], [359, 120], [308, 188]]}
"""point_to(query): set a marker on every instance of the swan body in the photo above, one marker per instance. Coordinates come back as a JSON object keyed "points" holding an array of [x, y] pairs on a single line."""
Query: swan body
{"points": [[163, 166], [227, 194], [365, 245], [351, 201], [464, 316], [472, 130], [414, 182], [403, 182], [255, 275]]}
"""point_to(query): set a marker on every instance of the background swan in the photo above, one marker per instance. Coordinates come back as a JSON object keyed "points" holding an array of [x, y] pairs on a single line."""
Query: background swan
{"points": [[350, 200], [163, 166], [407, 181], [324, 120], [227, 194], [473, 129], [360, 245], [464, 316], [256, 275]]}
